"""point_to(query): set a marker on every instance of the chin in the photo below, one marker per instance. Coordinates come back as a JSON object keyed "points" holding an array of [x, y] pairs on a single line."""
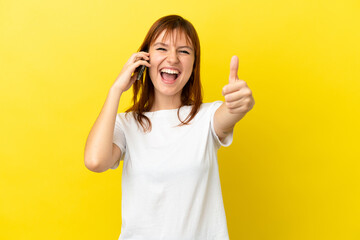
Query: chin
{"points": [[168, 92]]}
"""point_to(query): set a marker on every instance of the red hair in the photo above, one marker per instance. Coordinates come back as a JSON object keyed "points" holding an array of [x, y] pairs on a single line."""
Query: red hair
{"points": [[191, 94]]}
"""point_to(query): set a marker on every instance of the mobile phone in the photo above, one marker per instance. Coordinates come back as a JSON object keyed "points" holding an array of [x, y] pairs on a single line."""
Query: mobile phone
{"points": [[141, 72]]}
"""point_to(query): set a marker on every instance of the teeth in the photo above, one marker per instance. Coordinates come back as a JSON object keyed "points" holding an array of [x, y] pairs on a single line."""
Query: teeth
{"points": [[170, 71]]}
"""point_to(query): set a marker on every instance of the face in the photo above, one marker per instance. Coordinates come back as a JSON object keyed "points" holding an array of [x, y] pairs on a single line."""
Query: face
{"points": [[171, 62]]}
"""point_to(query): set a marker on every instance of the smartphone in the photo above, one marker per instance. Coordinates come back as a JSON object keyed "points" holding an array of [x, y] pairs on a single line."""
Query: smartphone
{"points": [[142, 69]]}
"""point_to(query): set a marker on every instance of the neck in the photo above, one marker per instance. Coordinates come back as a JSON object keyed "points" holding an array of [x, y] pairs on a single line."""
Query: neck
{"points": [[163, 102]]}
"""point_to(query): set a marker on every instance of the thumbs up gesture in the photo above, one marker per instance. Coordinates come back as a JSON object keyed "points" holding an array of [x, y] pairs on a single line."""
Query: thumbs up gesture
{"points": [[238, 96]]}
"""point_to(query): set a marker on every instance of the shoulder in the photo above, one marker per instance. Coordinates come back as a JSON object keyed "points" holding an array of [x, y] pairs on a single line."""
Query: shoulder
{"points": [[123, 116], [207, 110], [210, 106], [124, 119]]}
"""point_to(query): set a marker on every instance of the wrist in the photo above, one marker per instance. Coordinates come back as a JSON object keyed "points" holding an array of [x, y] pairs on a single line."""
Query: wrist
{"points": [[116, 89]]}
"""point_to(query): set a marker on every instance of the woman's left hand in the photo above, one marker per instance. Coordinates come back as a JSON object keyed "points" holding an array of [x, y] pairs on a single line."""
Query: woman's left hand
{"points": [[238, 96]]}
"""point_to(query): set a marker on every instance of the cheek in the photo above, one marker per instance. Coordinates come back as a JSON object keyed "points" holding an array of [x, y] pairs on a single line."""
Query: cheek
{"points": [[153, 61], [190, 64], [190, 68], [152, 72]]}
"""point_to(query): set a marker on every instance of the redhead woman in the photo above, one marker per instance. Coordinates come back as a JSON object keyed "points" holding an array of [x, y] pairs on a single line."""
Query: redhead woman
{"points": [[168, 139]]}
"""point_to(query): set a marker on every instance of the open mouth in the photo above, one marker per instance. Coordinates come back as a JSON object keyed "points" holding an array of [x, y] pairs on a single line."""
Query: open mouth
{"points": [[169, 76]]}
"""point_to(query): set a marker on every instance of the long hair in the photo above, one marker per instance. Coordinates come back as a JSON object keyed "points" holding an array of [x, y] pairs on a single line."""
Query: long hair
{"points": [[191, 94]]}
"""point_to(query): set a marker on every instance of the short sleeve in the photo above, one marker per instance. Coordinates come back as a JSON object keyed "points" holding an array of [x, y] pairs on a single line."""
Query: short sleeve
{"points": [[229, 138], [119, 139]]}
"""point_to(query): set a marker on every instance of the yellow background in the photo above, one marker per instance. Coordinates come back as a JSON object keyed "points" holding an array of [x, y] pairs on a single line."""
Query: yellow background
{"points": [[292, 171]]}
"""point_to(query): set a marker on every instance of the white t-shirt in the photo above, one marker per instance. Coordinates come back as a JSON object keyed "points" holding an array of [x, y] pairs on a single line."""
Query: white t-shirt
{"points": [[170, 180]]}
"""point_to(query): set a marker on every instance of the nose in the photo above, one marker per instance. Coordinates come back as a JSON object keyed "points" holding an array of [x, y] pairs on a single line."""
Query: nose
{"points": [[172, 57]]}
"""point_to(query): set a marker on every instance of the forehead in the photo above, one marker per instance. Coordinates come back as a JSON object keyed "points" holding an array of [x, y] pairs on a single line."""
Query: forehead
{"points": [[175, 36]]}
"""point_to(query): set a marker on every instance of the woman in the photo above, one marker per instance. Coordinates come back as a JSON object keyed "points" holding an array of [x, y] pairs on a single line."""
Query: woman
{"points": [[168, 139]]}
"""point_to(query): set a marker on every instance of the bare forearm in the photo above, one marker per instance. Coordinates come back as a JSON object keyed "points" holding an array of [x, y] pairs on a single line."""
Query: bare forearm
{"points": [[98, 148], [224, 121]]}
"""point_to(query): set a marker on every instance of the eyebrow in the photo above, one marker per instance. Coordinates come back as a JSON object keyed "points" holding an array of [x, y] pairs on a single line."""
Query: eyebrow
{"points": [[163, 44]]}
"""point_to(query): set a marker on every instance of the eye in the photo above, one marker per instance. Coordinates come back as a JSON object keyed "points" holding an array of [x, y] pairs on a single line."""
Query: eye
{"points": [[161, 49], [183, 51]]}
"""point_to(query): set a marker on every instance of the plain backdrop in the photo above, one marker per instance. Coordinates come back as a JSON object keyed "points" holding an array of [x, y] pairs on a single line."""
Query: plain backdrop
{"points": [[292, 172]]}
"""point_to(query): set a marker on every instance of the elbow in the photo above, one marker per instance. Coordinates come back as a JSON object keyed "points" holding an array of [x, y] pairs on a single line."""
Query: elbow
{"points": [[93, 165]]}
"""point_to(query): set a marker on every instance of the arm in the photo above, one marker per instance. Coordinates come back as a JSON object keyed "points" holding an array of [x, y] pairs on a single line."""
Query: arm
{"points": [[100, 152], [238, 101]]}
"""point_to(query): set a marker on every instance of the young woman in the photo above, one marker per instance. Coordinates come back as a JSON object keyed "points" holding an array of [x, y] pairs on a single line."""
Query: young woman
{"points": [[168, 139]]}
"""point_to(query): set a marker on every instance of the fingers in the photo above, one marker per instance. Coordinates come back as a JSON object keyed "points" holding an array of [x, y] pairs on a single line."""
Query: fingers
{"points": [[233, 87], [138, 56], [237, 110], [239, 102], [136, 60], [234, 65], [141, 62], [238, 95]]}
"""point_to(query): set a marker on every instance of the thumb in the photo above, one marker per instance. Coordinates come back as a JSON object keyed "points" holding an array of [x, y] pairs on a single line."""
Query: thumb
{"points": [[234, 65]]}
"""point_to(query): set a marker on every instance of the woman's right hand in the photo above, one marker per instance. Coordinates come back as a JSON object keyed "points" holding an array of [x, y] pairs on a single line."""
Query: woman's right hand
{"points": [[124, 81]]}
